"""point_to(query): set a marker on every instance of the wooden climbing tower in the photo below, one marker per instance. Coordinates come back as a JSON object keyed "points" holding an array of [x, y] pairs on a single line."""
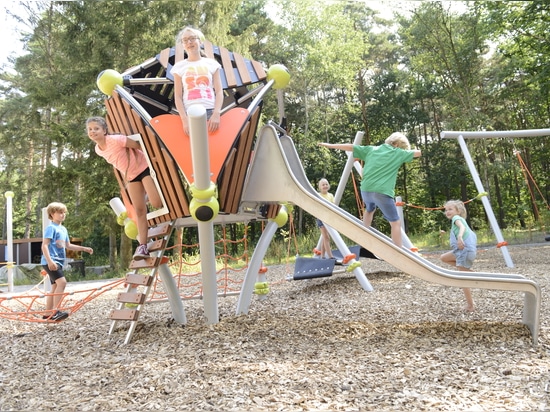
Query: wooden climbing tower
{"points": [[144, 106]]}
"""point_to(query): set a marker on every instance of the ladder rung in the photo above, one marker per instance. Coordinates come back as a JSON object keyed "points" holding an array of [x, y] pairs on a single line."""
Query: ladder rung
{"points": [[124, 314], [144, 263], [135, 279], [160, 230], [156, 245], [131, 297]]}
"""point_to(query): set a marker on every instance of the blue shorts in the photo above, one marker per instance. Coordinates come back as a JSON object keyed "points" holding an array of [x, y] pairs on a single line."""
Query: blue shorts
{"points": [[319, 223], [465, 257], [384, 202]]}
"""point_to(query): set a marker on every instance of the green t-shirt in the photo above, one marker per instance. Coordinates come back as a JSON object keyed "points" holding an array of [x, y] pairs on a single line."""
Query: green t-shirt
{"points": [[381, 166]]}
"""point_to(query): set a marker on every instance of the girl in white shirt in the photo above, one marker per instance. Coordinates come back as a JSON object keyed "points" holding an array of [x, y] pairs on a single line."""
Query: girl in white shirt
{"points": [[197, 80]]}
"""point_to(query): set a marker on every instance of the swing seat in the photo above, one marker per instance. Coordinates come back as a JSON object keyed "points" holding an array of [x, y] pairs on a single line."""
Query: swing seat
{"points": [[310, 268]]}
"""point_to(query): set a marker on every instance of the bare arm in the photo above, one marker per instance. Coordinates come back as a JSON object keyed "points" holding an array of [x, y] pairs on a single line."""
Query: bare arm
{"points": [[214, 121], [78, 248], [417, 153], [178, 99], [348, 147], [461, 230]]}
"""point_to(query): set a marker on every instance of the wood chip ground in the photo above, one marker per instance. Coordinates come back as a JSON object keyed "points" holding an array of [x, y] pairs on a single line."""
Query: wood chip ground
{"points": [[315, 345]]}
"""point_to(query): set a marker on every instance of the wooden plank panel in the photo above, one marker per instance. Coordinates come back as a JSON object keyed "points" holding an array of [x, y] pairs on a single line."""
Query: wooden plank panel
{"points": [[163, 57], [243, 159], [159, 166], [243, 69], [260, 72], [225, 178], [179, 189], [208, 49], [228, 67]]}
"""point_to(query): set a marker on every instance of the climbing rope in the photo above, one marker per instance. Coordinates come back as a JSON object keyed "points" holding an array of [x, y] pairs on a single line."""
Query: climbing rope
{"points": [[31, 306]]}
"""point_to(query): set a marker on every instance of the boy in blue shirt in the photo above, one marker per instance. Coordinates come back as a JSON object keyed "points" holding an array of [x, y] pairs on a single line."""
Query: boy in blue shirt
{"points": [[54, 242]]}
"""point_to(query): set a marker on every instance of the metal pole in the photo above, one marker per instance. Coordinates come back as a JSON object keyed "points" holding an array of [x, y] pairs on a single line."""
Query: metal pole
{"points": [[485, 201], [201, 169], [9, 226]]}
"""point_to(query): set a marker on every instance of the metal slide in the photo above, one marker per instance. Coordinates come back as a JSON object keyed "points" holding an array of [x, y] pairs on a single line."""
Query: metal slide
{"points": [[276, 175]]}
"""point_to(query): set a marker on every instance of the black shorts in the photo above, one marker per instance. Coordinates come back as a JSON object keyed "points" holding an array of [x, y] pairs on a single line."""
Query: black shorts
{"points": [[54, 274], [141, 176]]}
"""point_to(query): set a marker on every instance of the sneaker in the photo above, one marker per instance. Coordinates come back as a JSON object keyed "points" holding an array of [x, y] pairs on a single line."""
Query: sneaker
{"points": [[338, 262], [141, 253], [58, 316]]}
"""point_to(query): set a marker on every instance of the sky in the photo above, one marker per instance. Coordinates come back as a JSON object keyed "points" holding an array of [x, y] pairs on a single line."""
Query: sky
{"points": [[11, 46]]}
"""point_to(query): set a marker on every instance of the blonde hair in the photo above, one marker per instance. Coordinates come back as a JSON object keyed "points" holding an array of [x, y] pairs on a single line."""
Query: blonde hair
{"points": [[398, 140], [321, 181], [55, 207], [459, 206], [196, 32]]}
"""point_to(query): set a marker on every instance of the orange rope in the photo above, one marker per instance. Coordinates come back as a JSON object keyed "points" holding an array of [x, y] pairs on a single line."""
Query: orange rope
{"points": [[31, 307], [526, 173]]}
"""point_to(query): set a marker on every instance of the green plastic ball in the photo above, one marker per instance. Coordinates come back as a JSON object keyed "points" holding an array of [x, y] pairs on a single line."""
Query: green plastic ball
{"points": [[280, 75], [107, 81]]}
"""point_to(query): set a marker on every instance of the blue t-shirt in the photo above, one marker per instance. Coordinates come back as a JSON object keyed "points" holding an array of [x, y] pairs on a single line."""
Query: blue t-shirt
{"points": [[59, 238]]}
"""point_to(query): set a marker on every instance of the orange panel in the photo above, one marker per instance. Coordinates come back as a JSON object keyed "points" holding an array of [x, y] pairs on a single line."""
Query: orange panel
{"points": [[170, 131]]}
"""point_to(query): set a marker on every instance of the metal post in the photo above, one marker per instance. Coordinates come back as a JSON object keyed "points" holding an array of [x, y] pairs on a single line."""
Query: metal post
{"points": [[485, 201]]}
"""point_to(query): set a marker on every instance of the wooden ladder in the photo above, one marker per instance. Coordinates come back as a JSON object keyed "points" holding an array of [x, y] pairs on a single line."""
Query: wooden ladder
{"points": [[139, 285]]}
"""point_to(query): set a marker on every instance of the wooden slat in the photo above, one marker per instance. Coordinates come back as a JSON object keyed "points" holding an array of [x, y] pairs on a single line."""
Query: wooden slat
{"points": [[137, 279], [260, 72], [228, 67], [224, 179], [180, 53], [152, 149], [173, 172], [131, 297], [243, 70], [242, 160], [208, 49], [163, 57], [124, 314]]}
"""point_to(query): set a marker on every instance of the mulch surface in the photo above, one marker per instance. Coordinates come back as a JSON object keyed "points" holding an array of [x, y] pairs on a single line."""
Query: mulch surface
{"points": [[315, 345]]}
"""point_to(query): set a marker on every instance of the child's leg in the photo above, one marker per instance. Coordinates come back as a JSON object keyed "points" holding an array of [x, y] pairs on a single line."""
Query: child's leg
{"points": [[325, 243], [49, 297], [367, 218], [448, 258], [152, 193], [59, 289], [396, 233], [470, 307], [136, 191]]}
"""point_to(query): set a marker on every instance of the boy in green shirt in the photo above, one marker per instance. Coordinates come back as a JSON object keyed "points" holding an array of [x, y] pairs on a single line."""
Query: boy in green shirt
{"points": [[381, 165]]}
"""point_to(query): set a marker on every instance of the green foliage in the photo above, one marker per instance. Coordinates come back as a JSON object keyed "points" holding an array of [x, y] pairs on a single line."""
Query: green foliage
{"points": [[431, 70]]}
